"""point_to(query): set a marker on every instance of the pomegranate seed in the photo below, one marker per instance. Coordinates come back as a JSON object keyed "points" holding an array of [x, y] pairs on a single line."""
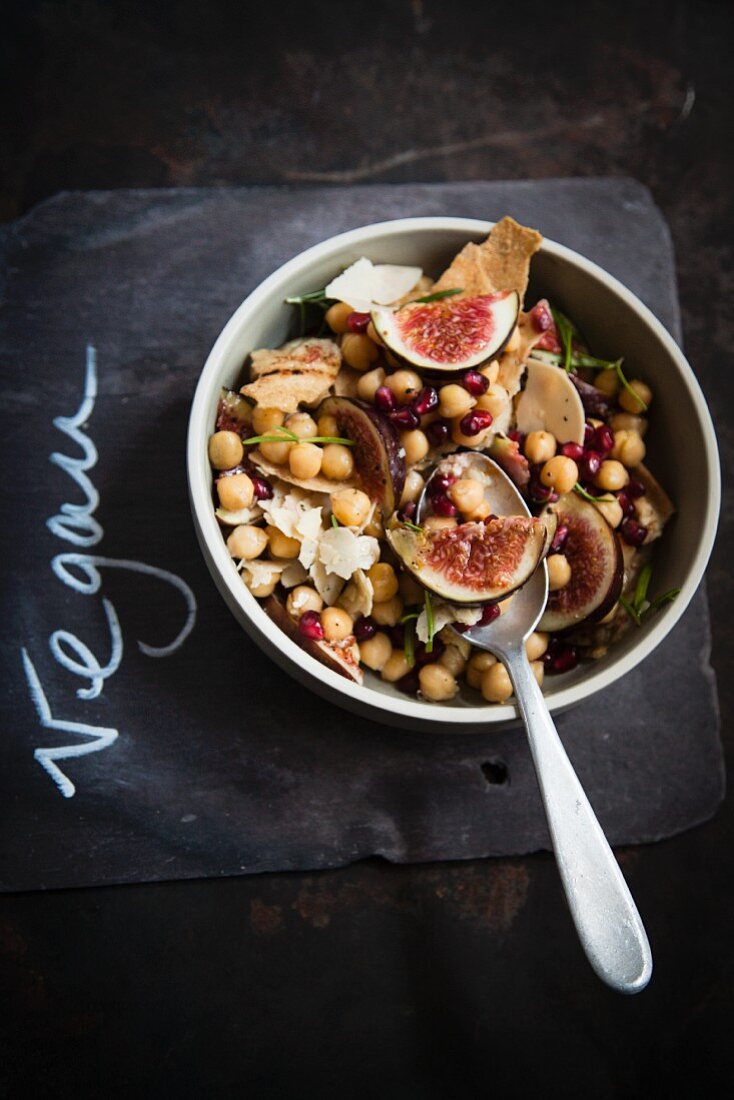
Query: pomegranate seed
{"points": [[364, 628], [426, 401], [627, 506], [633, 533], [396, 634], [475, 383], [408, 511], [385, 399], [573, 450], [634, 488], [358, 322], [405, 419], [409, 683], [476, 421], [589, 430], [440, 484], [517, 437], [541, 317], [603, 439], [489, 615], [539, 493], [310, 626], [563, 658], [424, 658], [460, 627], [438, 433], [263, 489], [442, 506], [559, 539], [589, 466]]}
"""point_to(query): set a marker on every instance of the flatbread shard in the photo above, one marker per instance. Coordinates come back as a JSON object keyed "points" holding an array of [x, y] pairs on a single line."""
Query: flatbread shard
{"points": [[300, 373], [502, 262], [514, 358]]}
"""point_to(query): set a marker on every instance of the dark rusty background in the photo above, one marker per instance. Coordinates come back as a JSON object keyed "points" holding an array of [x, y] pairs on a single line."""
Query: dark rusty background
{"points": [[375, 980]]}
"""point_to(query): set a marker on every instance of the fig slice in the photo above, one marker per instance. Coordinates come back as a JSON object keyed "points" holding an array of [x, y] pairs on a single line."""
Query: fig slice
{"points": [[341, 657], [474, 563], [451, 334], [377, 451], [597, 567]]}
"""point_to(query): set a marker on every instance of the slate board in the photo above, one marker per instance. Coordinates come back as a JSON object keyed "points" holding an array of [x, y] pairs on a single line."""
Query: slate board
{"points": [[219, 766]]}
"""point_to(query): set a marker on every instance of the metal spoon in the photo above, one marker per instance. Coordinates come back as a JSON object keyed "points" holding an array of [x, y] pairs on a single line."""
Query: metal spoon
{"points": [[606, 918]]}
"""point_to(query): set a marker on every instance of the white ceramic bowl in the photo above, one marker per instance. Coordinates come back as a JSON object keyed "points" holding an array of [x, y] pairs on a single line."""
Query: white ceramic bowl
{"points": [[681, 452]]}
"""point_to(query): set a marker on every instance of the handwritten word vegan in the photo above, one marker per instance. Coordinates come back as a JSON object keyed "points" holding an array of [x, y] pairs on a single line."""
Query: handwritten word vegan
{"points": [[82, 572]]}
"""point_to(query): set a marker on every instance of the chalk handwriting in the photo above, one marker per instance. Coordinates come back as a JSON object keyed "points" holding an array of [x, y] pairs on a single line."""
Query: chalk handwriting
{"points": [[76, 524]]}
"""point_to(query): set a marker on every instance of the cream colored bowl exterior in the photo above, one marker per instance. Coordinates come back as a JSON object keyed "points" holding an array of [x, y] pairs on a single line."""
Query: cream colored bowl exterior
{"points": [[681, 448]]}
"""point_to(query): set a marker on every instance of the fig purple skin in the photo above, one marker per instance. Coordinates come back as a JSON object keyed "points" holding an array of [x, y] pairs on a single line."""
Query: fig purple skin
{"points": [[322, 651], [597, 567], [596, 404], [376, 449]]}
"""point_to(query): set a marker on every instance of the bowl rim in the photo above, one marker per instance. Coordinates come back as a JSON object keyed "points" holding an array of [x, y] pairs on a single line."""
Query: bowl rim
{"points": [[364, 699]]}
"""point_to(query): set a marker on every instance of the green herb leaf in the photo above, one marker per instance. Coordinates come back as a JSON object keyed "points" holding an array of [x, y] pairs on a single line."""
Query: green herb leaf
{"points": [[566, 331], [587, 496], [411, 526], [623, 380], [631, 611], [284, 436], [410, 615], [439, 294], [659, 601], [643, 584], [334, 521], [312, 298], [430, 627], [329, 439], [409, 644]]}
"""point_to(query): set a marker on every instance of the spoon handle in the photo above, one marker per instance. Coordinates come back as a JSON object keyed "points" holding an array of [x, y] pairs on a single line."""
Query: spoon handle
{"points": [[606, 918]]}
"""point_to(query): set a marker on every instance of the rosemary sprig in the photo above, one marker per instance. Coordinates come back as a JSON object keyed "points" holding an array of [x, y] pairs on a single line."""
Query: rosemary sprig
{"points": [[334, 521], [640, 607], [287, 436], [409, 643], [329, 439], [430, 625], [566, 331], [314, 296], [439, 294], [412, 526], [408, 616], [587, 496]]}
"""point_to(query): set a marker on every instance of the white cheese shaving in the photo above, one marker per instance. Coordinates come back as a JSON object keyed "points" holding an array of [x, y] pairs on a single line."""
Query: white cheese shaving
{"points": [[297, 514], [358, 597], [260, 571], [364, 285], [242, 515], [550, 403], [328, 585], [443, 614], [342, 552]]}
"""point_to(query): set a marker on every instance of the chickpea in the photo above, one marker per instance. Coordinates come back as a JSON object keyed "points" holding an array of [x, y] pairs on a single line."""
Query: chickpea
{"points": [[336, 317], [302, 425], [358, 351], [368, 384], [327, 425], [560, 473], [405, 384], [467, 494], [540, 446], [439, 523], [351, 506], [437, 683], [496, 685], [384, 581], [611, 510], [375, 528], [628, 422], [629, 448], [337, 624], [410, 591], [491, 371], [373, 334], [538, 671], [607, 381], [504, 605], [304, 460], [513, 344], [462, 440], [639, 400], [453, 659], [477, 666], [303, 598], [612, 475], [264, 589], [395, 667], [225, 450], [375, 652], [282, 546], [387, 612], [559, 571], [494, 400], [454, 400], [415, 445], [247, 541], [276, 452], [264, 419], [536, 645], [414, 485], [235, 492], [479, 513], [337, 462]]}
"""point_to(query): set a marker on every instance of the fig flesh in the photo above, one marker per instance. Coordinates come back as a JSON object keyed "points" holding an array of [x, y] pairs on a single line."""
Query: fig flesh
{"points": [[474, 563], [451, 334], [597, 568], [377, 457], [234, 414], [507, 454], [340, 657]]}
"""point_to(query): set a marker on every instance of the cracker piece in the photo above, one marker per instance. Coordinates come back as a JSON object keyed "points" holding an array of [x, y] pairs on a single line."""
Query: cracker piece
{"points": [[502, 262]]}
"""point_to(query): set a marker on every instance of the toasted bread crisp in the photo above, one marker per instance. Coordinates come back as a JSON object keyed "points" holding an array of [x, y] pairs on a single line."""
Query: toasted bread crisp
{"points": [[502, 262], [318, 484], [300, 373], [513, 359]]}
